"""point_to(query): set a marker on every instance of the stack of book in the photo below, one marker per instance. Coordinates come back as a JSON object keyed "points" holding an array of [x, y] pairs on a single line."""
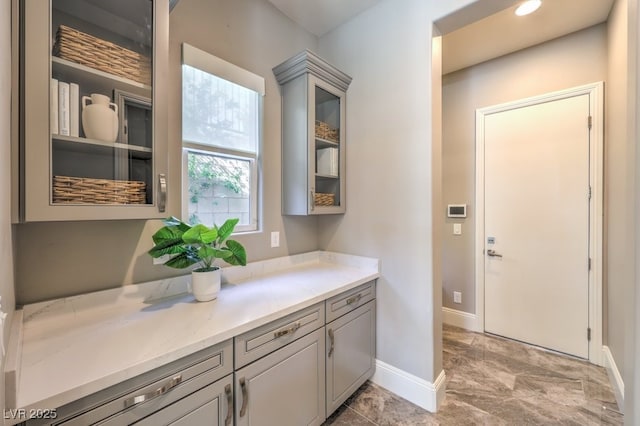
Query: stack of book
{"points": [[65, 108], [327, 161]]}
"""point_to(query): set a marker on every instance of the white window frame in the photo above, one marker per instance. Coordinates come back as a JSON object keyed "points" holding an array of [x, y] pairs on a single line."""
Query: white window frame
{"points": [[211, 64]]}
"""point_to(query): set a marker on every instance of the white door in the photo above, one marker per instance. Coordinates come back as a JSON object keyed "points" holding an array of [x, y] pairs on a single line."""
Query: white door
{"points": [[536, 167]]}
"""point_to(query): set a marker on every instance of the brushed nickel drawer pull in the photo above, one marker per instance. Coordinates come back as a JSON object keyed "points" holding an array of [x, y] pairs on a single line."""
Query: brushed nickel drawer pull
{"points": [[287, 331], [227, 391], [245, 397], [354, 299], [331, 342], [139, 399]]}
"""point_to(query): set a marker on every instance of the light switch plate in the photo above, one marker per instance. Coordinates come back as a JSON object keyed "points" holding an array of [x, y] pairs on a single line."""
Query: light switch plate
{"points": [[457, 229], [275, 239], [457, 297]]}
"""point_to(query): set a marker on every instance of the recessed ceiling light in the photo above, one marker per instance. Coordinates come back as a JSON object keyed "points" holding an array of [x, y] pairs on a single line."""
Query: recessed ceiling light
{"points": [[528, 7]]}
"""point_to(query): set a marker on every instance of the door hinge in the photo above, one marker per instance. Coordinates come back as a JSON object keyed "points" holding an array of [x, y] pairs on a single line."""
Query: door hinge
{"points": [[589, 334], [590, 122], [589, 263], [589, 193]]}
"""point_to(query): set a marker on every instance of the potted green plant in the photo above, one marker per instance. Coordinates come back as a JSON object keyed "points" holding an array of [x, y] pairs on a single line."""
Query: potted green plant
{"points": [[190, 245]]}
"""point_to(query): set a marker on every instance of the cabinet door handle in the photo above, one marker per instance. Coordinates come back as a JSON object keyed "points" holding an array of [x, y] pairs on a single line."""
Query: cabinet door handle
{"points": [[162, 192], [354, 299], [286, 331], [331, 342], [227, 391], [139, 399], [245, 397], [312, 199]]}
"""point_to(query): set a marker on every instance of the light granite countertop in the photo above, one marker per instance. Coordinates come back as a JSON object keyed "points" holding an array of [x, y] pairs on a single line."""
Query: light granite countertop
{"points": [[75, 346]]}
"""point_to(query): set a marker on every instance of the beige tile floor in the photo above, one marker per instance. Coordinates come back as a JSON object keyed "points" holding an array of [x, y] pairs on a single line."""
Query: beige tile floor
{"points": [[495, 381]]}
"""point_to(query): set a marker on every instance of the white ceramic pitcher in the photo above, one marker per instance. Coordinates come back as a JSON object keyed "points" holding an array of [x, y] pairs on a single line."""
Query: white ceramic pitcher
{"points": [[100, 118]]}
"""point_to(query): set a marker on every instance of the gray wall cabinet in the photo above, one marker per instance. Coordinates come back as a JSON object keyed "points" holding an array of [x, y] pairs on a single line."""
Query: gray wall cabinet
{"points": [[70, 165], [313, 135]]}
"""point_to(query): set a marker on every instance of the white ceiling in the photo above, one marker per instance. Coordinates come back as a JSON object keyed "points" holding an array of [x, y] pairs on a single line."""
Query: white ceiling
{"points": [[504, 32], [320, 17], [494, 36]]}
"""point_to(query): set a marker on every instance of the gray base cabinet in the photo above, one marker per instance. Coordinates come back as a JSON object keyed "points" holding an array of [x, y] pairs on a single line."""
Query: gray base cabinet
{"points": [[212, 405], [293, 371], [351, 343], [180, 393], [285, 388]]}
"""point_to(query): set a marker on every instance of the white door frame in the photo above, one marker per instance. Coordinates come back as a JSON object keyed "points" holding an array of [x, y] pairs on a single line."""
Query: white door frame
{"points": [[596, 156]]}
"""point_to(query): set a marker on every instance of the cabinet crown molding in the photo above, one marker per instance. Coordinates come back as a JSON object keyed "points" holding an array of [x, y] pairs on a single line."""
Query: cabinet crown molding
{"points": [[308, 62]]}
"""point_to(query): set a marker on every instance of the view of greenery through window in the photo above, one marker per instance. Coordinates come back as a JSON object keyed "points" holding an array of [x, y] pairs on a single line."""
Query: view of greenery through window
{"points": [[218, 188], [220, 133]]}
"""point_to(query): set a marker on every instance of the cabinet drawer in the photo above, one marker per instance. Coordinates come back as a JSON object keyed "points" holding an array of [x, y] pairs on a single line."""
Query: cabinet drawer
{"points": [[350, 300], [136, 398], [257, 343], [212, 405]]}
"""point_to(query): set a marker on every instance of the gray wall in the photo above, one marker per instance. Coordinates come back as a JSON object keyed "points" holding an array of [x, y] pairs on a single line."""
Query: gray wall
{"points": [[619, 211], [631, 323], [59, 259], [6, 245], [576, 59], [392, 180]]}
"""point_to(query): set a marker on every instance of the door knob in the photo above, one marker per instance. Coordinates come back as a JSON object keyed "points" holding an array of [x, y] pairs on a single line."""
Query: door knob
{"points": [[493, 253]]}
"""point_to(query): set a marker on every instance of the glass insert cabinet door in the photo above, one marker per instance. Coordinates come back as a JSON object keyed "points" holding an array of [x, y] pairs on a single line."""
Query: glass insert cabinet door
{"points": [[93, 142], [326, 147]]}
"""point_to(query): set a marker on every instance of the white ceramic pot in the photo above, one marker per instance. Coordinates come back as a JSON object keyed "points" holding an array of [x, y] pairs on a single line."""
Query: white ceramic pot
{"points": [[205, 286], [99, 118]]}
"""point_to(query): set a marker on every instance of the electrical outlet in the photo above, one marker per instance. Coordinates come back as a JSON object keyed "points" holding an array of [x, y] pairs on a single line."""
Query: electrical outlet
{"points": [[457, 297], [275, 239]]}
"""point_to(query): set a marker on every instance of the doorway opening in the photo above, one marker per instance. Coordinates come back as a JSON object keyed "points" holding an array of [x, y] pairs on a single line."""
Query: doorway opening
{"points": [[459, 233], [539, 184]]}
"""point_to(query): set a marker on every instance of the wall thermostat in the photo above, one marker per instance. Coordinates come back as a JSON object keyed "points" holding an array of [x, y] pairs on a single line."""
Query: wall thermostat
{"points": [[457, 210]]}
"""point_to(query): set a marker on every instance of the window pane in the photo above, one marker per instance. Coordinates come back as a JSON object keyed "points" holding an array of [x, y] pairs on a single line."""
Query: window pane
{"points": [[217, 112], [218, 189]]}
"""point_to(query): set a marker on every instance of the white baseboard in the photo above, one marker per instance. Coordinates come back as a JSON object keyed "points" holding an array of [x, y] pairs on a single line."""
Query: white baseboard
{"points": [[414, 389], [614, 376], [461, 319]]}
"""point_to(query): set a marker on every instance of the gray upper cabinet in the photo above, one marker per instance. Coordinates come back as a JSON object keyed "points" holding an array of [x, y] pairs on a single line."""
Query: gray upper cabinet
{"points": [[93, 109], [313, 135]]}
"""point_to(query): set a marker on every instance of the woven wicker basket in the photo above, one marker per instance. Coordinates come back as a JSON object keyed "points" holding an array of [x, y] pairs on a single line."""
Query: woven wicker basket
{"points": [[323, 131], [73, 190], [324, 199], [85, 49]]}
